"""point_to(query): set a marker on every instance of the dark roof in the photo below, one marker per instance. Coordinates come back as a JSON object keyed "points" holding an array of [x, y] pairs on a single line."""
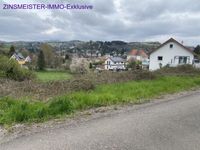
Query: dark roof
{"points": [[117, 59], [172, 40], [20, 56]]}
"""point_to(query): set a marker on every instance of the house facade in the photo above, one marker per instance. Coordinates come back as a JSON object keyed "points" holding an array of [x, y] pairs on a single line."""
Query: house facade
{"points": [[115, 63], [171, 53]]}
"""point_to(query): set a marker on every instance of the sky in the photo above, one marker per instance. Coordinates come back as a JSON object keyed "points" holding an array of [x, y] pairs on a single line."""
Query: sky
{"points": [[127, 20]]}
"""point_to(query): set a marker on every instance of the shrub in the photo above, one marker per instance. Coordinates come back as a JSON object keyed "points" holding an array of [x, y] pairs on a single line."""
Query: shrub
{"points": [[12, 70], [145, 75], [179, 70], [79, 66], [82, 84]]}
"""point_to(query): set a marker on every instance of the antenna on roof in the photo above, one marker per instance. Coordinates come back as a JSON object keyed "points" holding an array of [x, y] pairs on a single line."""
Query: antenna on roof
{"points": [[182, 42]]}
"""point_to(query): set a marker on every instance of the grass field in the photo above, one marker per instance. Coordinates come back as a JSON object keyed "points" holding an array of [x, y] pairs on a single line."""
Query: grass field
{"points": [[131, 92], [46, 76], [17, 111]]}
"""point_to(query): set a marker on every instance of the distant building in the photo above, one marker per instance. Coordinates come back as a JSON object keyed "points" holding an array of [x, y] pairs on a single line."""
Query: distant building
{"points": [[171, 53], [115, 63], [94, 53], [139, 55], [20, 58]]}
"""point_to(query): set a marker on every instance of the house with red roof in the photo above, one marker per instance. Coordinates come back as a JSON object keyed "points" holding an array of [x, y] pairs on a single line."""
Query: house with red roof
{"points": [[139, 55]]}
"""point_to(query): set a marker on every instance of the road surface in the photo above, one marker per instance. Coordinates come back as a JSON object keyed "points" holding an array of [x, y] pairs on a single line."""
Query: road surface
{"points": [[163, 125]]}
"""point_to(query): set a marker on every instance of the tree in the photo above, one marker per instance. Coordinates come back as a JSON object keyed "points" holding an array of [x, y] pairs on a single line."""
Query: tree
{"points": [[131, 65], [197, 50], [134, 64], [79, 65], [67, 57], [12, 50], [41, 61], [48, 52], [90, 66]]}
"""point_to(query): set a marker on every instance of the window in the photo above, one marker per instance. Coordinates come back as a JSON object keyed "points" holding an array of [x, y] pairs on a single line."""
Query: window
{"points": [[160, 58], [171, 45], [182, 60]]}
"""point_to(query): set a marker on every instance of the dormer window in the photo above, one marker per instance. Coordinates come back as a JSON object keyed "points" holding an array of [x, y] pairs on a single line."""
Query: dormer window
{"points": [[171, 45]]}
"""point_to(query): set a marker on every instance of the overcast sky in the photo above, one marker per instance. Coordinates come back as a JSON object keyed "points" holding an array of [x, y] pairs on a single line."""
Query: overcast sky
{"points": [[128, 20]]}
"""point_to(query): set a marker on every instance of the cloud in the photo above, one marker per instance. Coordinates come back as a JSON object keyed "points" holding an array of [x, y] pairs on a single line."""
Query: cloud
{"points": [[129, 20]]}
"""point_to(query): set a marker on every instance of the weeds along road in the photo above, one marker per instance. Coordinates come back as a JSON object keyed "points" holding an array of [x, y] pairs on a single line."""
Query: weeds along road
{"points": [[163, 125]]}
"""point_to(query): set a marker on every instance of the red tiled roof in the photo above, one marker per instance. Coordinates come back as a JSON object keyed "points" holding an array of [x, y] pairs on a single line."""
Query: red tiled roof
{"points": [[142, 53], [133, 52], [136, 52]]}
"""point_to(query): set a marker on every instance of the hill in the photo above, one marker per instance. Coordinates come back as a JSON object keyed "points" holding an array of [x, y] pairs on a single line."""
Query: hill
{"points": [[76, 46]]}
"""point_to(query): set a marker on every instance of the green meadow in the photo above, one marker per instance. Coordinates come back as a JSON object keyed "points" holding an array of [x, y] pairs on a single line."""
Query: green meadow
{"points": [[45, 76]]}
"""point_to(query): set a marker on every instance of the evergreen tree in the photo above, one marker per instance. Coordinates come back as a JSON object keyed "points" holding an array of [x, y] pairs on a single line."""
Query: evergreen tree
{"points": [[90, 66], [41, 61], [12, 50], [197, 50]]}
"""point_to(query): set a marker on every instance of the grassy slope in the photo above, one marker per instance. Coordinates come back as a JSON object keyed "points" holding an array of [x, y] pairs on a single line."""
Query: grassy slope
{"points": [[46, 76], [132, 92], [12, 111]]}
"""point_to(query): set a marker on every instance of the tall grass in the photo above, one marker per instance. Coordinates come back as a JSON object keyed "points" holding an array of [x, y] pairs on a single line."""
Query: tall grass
{"points": [[17, 111], [131, 92]]}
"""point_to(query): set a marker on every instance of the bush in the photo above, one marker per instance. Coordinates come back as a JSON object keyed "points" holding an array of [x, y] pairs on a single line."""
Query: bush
{"points": [[79, 66], [12, 70], [106, 77], [180, 70], [82, 84], [144, 75]]}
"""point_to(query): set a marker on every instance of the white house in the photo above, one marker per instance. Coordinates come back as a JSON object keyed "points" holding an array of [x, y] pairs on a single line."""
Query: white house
{"points": [[115, 63], [170, 53]]}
